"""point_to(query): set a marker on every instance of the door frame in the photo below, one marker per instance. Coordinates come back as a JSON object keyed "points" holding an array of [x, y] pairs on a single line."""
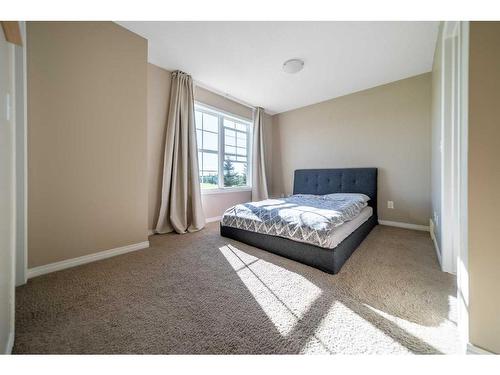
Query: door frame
{"points": [[449, 125], [461, 227], [21, 170], [454, 131]]}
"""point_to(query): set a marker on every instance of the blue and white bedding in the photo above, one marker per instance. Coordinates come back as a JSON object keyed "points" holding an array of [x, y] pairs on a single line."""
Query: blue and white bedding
{"points": [[303, 217]]}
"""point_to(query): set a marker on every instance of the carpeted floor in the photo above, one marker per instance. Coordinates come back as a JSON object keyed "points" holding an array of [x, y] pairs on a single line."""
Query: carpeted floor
{"points": [[201, 293]]}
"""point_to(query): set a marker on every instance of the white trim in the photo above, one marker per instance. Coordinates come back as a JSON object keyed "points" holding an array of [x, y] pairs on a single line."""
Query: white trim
{"points": [[448, 85], [472, 349], [424, 228], [212, 219], [225, 190], [13, 189], [10, 343], [462, 251], [21, 160], [436, 246], [57, 266]]}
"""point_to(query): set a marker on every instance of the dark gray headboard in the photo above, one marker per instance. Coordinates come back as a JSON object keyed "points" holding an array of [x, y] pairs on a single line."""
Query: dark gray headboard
{"points": [[342, 180]]}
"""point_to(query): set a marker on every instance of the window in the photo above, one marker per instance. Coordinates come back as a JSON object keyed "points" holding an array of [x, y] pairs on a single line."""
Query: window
{"points": [[223, 149]]}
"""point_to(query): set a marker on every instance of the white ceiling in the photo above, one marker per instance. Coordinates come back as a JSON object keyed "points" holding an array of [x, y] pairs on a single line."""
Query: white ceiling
{"points": [[244, 59]]}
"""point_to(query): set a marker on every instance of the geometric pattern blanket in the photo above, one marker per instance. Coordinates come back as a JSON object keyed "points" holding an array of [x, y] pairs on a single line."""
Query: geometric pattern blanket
{"points": [[303, 217]]}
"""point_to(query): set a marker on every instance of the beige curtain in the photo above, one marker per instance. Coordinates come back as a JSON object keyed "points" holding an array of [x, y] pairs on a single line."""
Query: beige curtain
{"points": [[259, 181], [181, 209]]}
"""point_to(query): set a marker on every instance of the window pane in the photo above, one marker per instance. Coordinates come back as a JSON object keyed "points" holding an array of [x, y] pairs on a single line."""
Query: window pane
{"points": [[209, 171], [210, 162], [210, 141], [235, 174], [229, 141], [240, 168], [241, 151], [210, 123], [242, 139], [230, 150], [209, 180], [240, 126], [228, 123], [199, 140], [197, 120]]}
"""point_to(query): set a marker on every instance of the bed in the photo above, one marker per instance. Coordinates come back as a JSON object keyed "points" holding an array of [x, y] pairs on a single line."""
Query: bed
{"points": [[320, 182]]}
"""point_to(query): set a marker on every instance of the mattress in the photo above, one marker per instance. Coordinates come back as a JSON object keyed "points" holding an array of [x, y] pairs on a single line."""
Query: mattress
{"points": [[344, 230], [303, 218]]}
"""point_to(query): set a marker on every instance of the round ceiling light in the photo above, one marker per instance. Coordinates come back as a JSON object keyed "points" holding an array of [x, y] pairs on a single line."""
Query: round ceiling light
{"points": [[293, 66]]}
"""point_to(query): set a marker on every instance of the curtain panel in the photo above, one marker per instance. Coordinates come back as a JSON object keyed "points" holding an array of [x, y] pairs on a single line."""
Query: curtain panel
{"points": [[259, 181], [181, 210]]}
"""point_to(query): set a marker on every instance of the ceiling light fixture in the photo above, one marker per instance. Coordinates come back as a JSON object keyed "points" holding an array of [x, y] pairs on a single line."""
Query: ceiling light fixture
{"points": [[293, 66]]}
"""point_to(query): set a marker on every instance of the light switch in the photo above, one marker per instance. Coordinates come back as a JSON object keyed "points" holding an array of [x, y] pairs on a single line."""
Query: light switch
{"points": [[390, 204]]}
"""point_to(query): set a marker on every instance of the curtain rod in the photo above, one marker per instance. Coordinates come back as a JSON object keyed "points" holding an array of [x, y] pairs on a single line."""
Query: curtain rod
{"points": [[225, 95]]}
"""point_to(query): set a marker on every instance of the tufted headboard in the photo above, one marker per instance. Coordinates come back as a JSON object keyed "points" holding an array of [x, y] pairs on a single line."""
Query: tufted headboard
{"points": [[342, 180]]}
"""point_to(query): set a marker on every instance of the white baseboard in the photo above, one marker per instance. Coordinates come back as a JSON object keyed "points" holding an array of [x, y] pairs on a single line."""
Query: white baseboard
{"points": [[404, 225], [212, 219], [472, 349], [10, 344], [57, 266]]}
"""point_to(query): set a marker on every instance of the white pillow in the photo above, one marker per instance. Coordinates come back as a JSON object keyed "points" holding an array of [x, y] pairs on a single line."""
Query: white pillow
{"points": [[365, 198]]}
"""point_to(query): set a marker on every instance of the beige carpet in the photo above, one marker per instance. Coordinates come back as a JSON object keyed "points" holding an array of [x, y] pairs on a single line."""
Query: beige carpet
{"points": [[201, 293]]}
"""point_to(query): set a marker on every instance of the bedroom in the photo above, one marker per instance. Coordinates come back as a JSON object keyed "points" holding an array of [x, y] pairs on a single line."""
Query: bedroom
{"points": [[260, 187]]}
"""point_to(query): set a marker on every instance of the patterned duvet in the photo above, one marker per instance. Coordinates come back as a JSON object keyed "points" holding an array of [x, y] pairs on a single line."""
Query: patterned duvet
{"points": [[304, 218]]}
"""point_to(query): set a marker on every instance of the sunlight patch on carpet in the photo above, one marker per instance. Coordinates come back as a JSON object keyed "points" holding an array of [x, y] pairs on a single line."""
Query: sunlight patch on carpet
{"points": [[344, 331], [284, 296], [428, 334]]}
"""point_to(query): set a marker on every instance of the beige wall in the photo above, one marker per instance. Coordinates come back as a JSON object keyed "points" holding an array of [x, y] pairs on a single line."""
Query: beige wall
{"points": [[484, 185], [86, 139], [388, 127], [158, 94], [215, 100], [158, 99]]}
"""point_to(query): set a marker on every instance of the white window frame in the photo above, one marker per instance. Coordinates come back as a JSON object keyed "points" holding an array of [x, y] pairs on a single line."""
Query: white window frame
{"points": [[221, 114]]}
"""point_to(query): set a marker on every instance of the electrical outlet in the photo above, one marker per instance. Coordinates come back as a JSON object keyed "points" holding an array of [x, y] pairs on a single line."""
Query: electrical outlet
{"points": [[390, 204]]}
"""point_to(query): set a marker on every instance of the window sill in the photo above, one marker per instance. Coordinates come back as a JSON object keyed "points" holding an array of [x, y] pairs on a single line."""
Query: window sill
{"points": [[225, 190]]}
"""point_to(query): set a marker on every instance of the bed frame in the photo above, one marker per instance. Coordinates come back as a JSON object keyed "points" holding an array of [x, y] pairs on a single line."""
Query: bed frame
{"points": [[319, 181]]}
